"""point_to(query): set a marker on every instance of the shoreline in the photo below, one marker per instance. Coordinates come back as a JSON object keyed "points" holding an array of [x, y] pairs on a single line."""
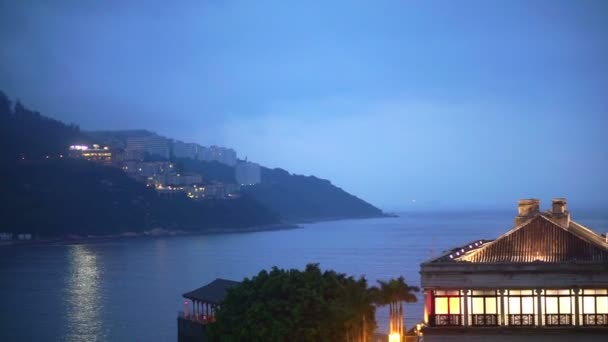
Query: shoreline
{"points": [[341, 218], [160, 232], [154, 233]]}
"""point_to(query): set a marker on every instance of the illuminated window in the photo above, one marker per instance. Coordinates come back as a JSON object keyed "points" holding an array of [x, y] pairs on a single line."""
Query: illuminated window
{"points": [[441, 306], [520, 307], [594, 307], [447, 308], [484, 307], [558, 307]]}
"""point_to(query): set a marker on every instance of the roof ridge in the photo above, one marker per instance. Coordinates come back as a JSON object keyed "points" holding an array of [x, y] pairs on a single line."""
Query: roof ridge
{"points": [[581, 233], [591, 239], [578, 234], [488, 245]]}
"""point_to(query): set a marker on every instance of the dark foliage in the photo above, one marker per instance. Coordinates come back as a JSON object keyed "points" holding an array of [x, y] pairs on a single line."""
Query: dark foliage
{"points": [[58, 197], [26, 133], [294, 305], [304, 198]]}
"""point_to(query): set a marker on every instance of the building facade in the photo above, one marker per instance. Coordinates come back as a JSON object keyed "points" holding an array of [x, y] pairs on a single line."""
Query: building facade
{"points": [[94, 153], [154, 145], [219, 154], [185, 150], [183, 179], [544, 280], [248, 173]]}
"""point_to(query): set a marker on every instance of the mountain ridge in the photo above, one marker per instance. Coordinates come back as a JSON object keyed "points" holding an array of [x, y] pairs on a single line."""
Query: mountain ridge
{"points": [[51, 194]]}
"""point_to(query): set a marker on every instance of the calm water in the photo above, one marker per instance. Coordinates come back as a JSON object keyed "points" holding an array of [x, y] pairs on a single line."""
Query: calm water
{"points": [[130, 290]]}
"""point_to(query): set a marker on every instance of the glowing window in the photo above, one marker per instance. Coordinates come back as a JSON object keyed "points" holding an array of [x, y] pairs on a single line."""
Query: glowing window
{"points": [[564, 305], [483, 305], [588, 305], [477, 307], [491, 305], [454, 305], [602, 305], [527, 305], [441, 306], [514, 305], [551, 305]]}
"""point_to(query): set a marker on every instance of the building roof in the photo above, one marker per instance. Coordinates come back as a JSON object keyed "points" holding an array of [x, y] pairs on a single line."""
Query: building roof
{"points": [[536, 240], [213, 293]]}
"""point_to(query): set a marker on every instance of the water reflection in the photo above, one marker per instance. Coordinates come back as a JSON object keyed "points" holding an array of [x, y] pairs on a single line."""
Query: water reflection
{"points": [[83, 297]]}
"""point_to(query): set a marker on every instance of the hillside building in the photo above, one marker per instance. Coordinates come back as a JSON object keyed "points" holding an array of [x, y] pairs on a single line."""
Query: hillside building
{"points": [[185, 150], [94, 153], [153, 145], [247, 173], [219, 154]]}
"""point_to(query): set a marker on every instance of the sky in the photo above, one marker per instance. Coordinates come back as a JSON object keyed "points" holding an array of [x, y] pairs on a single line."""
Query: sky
{"points": [[405, 104]]}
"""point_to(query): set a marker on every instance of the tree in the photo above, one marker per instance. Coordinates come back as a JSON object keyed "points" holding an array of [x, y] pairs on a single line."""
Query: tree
{"points": [[393, 293], [294, 305]]}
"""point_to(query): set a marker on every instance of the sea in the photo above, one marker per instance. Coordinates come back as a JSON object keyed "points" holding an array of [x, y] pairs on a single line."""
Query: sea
{"points": [[131, 289]]}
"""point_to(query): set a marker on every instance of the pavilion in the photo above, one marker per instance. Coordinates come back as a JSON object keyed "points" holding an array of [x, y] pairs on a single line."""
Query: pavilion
{"points": [[545, 279], [199, 309]]}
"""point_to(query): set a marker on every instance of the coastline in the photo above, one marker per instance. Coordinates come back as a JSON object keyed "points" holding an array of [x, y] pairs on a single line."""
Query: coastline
{"points": [[160, 232], [342, 218], [154, 233]]}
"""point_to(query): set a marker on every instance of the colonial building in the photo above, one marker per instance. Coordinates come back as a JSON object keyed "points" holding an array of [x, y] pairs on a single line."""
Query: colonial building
{"points": [[545, 279]]}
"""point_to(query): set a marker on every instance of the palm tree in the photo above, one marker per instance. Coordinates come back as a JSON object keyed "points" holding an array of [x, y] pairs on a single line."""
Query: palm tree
{"points": [[358, 306], [393, 293]]}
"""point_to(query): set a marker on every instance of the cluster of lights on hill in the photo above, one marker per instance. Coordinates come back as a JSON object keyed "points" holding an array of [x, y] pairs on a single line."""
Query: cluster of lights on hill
{"points": [[85, 147]]}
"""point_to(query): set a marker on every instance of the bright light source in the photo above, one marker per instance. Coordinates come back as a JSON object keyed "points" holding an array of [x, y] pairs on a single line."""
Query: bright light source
{"points": [[394, 337]]}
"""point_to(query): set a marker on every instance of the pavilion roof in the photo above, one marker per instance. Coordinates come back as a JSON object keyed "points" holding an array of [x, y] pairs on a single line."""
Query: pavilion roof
{"points": [[537, 240], [213, 293]]}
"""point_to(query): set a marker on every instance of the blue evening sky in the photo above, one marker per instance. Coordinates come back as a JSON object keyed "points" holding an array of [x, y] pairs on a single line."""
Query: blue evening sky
{"points": [[450, 103]]}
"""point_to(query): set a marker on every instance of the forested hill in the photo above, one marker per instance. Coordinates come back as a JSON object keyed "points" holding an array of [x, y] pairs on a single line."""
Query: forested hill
{"points": [[47, 195], [25, 134], [308, 198], [295, 198]]}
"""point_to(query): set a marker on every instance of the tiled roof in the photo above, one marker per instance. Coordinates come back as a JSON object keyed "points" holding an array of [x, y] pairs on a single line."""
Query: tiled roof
{"points": [[541, 240], [214, 292]]}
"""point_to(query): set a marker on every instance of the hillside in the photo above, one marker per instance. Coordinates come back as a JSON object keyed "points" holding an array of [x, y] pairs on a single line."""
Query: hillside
{"points": [[48, 194], [57, 196], [307, 198], [295, 198], [26, 134]]}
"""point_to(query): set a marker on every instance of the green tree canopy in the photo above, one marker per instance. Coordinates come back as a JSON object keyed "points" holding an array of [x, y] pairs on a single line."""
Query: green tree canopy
{"points": [[294, 305]]}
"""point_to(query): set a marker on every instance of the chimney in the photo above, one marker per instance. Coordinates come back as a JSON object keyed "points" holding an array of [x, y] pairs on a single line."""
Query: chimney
{"points": [[559, 212], [527, 209]]}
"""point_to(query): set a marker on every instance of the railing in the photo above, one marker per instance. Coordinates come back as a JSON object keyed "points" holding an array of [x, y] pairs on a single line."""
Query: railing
{"points": [[595, 319], [446, 320], [485, 319], [558, 319], [203, 319], [521, 319]]}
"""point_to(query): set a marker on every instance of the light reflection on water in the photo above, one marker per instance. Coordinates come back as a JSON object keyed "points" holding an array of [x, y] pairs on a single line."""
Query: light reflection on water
{"points": [[130, 289], [82, 296]]}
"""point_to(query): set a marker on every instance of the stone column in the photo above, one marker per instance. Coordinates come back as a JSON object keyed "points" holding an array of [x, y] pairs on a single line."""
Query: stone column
{"points": [[502, 320], [465, 306], [576, 308], [539, 316]]}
